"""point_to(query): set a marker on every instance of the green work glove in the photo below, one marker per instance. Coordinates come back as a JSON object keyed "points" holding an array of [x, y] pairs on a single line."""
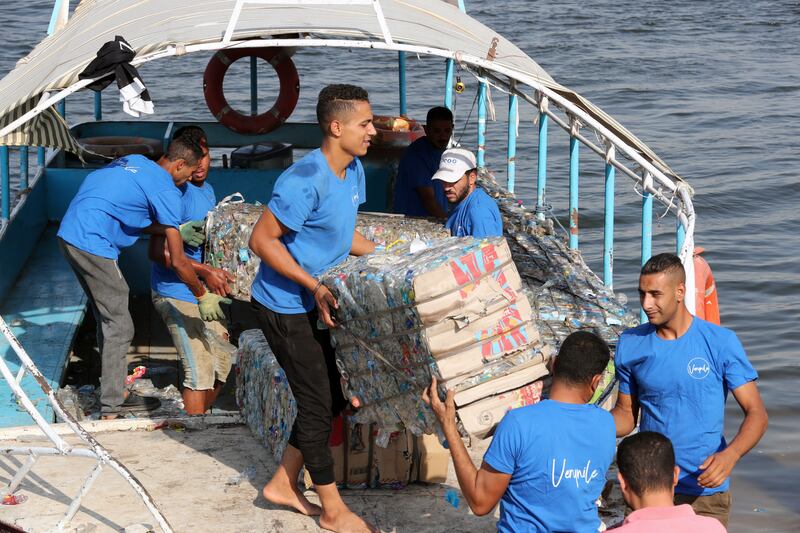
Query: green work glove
{"points": [[193, 232], [209, 306]]}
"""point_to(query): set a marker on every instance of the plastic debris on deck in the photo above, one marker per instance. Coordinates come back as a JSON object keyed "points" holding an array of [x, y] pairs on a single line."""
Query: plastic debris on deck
{"points": [[263, 393]]}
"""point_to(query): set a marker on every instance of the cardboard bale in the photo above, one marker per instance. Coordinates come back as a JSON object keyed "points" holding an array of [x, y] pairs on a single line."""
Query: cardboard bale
{"points": [[481, 417]]}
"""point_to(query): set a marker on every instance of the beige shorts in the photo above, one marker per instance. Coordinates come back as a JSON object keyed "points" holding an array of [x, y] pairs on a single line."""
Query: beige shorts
{"points": [[202, 346], [716, 505]]}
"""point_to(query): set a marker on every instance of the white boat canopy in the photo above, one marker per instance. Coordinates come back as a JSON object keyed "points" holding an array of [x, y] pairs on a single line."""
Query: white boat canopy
{"points": [[157, 29]]}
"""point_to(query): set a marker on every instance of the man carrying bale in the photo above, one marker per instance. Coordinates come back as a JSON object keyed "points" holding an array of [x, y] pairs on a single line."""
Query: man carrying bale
{"points": [[307, 227], [547, 462], [202, 346]]}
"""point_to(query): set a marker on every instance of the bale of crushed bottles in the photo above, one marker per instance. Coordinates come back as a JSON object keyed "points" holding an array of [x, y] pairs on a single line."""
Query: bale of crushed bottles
{"points": [[230, 223], [454, 307], [263, 393]]}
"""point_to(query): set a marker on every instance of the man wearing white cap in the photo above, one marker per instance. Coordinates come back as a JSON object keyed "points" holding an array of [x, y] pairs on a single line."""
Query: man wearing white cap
{"points": [[474, 213]]}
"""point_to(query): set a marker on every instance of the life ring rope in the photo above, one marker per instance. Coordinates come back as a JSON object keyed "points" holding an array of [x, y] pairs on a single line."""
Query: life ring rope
{"points": [[265, 122]]}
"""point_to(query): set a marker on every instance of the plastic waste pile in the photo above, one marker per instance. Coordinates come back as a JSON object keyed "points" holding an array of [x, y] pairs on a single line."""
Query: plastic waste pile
{"points": [[231, 222], [567, 296], [454, 307], [263, 394]]}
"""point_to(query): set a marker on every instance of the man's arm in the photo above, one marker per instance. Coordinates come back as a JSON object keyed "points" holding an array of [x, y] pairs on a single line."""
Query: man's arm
{"points": [[180, 263], [216, 279], [482, 488], [428, 199], [265, 242], [719, 465], [625, 413], [361, 245]]}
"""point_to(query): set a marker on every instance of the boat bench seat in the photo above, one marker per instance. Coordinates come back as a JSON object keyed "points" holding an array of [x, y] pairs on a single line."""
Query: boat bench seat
{"points": [[44, 308]]}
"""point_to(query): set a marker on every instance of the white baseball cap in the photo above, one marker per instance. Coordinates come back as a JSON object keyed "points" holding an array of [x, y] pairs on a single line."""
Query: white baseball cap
{"points": [[454, 164]]}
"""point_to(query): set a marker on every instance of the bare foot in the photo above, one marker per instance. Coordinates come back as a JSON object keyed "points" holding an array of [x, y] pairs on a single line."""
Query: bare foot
{"points": [[283, 494], [346, 522]]}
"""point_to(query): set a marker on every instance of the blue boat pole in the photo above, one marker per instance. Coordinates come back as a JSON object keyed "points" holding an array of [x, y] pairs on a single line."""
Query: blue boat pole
{"points": [[57, 5], [608, 233], [98, 105], [40, 157], [61, 108], [680, 236], [541, 175], [647, 230], [481, 125], [23, 167], [574, 179], [401, 67], [253, 85], [5, 184], [448, 84], [511, 171]]}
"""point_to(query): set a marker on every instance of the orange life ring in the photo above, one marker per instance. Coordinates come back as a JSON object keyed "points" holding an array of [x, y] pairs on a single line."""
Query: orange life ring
{"points": [[706, 304], [246, 124]]}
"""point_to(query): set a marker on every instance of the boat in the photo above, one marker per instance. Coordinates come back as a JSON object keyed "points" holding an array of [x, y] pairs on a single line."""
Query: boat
{"points": [[41, 304]]}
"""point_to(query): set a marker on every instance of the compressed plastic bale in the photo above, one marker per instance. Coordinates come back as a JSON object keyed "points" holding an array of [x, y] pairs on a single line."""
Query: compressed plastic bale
{"points": [[230, 224], [263, 393], [450, 309]]}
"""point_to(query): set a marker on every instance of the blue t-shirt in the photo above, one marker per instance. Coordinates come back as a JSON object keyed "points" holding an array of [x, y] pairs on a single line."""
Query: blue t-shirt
{"points": [[115, 203], [681, 386], [320, 211], [476, 216], [417, 166], [557, 454], [197, 202]]}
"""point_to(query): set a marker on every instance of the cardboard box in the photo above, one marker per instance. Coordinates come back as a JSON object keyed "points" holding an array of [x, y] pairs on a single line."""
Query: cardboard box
{"points": [[431, 460]]}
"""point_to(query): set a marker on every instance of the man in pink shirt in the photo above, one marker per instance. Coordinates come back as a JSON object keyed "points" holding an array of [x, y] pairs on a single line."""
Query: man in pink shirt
{"points": [[647, 476]]}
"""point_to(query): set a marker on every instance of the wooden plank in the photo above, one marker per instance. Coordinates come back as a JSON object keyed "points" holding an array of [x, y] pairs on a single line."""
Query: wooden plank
{"points": [[44, 308]]}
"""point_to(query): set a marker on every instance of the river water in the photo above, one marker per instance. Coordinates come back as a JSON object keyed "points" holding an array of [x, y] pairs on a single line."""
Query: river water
{"points": [[712, 87]]}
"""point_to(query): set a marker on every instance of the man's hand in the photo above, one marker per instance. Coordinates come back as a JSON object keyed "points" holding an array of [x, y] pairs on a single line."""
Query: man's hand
{"points": [[445, 411], [325, 303], [217, 280], [193, 232], [717, 468], [209, 306]]}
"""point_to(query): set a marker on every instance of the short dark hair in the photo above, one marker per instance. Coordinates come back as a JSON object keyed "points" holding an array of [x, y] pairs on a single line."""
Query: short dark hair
{"points": [[669, 263], [187, 145], [438, 113], [194, 133], [582, 356], [647, 461], [337, 99]]}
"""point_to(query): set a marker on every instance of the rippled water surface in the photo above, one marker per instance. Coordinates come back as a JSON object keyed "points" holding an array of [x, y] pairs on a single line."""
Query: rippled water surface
{"points": [[712, 87]]}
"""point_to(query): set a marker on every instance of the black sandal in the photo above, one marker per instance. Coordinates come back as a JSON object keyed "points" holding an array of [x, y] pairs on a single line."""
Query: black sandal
{"points": [[135, 403]]}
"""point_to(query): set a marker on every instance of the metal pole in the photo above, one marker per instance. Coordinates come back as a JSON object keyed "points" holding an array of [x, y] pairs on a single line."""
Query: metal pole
{"points": [[98, 105], [541, 178], [5, 184], [23, 167], [608, 235], [448, 84], [512, 140], [647, 228], [680, 236], [574, 179], [40, 157], [481, 125], [61, 107], [401, 67], [253, 85]]}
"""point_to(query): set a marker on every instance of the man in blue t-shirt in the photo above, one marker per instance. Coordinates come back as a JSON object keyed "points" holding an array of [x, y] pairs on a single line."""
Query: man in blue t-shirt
{"points": [[202, 346], [415, 194], [308, 227], [678, 370], [547, 462], [475, 214], [113, 206]]}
